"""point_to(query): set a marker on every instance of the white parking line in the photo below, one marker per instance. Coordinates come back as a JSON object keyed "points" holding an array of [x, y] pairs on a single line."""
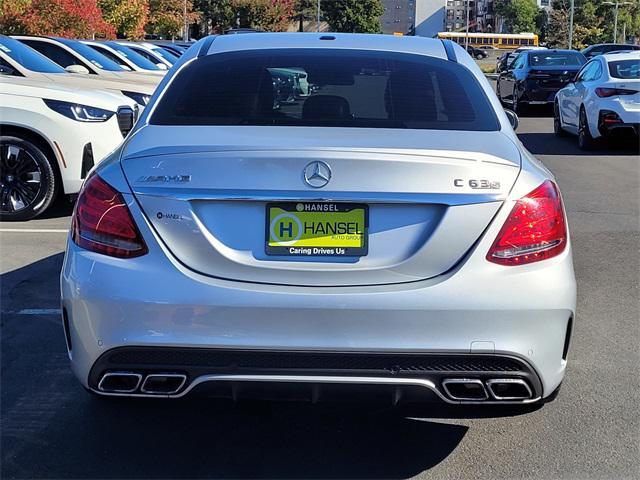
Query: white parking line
{"points": [[33, 230], [35, 311]]}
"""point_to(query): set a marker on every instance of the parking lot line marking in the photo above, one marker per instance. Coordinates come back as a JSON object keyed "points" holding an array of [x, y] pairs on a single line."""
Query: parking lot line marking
{"points": [[33, 230], [35, 311]]}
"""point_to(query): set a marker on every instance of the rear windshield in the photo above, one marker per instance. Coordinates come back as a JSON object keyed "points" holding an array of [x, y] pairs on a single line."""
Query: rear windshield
{"points": [[543, 58], [326, 88], [629, 69]]}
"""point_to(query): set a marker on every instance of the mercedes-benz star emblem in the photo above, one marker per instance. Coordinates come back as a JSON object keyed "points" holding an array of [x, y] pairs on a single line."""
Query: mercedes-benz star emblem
{"points": [[317, 174]]}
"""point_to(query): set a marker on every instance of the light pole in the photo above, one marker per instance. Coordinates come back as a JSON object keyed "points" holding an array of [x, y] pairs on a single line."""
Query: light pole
{"points": [[615, 16], [185, 34], [466, 31], [571, 8]]}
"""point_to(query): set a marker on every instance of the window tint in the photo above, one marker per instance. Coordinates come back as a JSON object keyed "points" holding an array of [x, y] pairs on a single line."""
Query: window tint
{"points": [[134, 56], [168, 56], [111, 56], [56, 53], [28, 57], [6, 69], [551, 59], [628, 69], [342, 88], [143, 53], [97, 59], [587, 73]]}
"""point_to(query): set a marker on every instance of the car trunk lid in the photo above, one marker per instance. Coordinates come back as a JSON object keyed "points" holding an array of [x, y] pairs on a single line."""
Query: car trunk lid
{"points": [[205, 190]]}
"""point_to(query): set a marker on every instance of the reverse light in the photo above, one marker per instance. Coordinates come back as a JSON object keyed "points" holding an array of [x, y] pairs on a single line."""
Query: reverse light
{"points": [[534, 230], [103, 223], [604, 92]]}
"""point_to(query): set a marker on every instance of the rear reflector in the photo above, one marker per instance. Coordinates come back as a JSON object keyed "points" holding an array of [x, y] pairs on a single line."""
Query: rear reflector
{"points": [[535, 229], [102, 222]]}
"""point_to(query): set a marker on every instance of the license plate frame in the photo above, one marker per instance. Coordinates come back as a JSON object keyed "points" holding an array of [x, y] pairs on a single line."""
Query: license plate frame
{"points": [[316, 244]]}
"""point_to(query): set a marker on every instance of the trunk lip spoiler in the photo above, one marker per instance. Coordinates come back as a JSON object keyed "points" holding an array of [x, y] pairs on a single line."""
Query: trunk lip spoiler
{"points": [[197, 194]]}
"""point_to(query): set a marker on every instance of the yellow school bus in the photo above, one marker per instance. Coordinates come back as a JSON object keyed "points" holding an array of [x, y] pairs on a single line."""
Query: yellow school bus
{"points": [[508, 41]]}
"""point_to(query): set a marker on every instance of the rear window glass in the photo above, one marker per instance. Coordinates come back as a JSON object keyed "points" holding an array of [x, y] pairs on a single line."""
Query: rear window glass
{"points": [[550, 59], [327, 88], [625, 69]]}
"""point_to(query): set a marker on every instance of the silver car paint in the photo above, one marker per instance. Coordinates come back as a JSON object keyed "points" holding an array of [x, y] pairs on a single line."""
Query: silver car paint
{"points": [[173, 297]]}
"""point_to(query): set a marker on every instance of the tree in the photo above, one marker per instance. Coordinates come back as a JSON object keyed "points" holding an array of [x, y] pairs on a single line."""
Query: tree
{"points": [[519, 15], [166, 17], [358, 16], [269, 15], [304, 10], [128, 17], [588, 27], [217, 15], [66, 18], [12, 16]]}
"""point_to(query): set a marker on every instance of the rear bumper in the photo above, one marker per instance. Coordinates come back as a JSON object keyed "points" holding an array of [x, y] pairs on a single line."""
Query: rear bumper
{"points": [[477, 309]]}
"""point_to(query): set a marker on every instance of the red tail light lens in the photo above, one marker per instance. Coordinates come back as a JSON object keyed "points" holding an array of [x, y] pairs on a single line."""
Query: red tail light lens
{"points": [[603, 92], [102, 222], [535, 229]]}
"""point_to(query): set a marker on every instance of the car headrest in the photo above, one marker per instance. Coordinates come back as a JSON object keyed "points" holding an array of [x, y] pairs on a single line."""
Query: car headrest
{"points": [[326, 107]]}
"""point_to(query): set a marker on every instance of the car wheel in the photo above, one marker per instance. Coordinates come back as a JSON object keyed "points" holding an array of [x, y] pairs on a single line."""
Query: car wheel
{"points": [[585, 140], [557, 124], [27, 179]]}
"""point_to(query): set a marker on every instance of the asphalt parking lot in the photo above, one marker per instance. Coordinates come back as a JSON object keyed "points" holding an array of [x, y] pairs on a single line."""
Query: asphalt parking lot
{"points": [[51, 428]]}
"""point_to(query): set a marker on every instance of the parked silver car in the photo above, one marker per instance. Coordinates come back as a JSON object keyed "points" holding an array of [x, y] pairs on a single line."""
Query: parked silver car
{"points": [[388, 231]]}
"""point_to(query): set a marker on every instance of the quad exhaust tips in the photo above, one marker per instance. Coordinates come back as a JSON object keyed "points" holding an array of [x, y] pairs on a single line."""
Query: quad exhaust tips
{"points": [[120, 382], [154, 384], [465, 389], [473, 389], [163, 383], [509, 389]]}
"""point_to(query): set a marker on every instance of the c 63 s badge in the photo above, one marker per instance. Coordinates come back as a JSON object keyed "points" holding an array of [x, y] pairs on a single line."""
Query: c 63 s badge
{"points": [[476, 184]]}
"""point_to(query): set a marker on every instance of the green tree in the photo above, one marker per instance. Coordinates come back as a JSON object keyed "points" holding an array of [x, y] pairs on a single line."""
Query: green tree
{"points": [[519, 15], [304, 10], [588, 24], [268, 15], [358, 16], [166, 17], [12, 14], [216, 15], [128, 17]]}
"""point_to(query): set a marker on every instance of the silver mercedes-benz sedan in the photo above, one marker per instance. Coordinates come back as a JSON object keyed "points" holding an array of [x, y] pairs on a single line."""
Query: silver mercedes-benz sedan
{"points": [[313, 214]]}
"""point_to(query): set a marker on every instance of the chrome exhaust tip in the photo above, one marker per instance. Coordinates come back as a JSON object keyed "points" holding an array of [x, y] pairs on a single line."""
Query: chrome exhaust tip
{"points": [[465, 389], [509, 389], [119, 382], [163, 383]]}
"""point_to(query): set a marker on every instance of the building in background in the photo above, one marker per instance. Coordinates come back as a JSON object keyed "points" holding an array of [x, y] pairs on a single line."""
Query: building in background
{"points": [[428, 17]]}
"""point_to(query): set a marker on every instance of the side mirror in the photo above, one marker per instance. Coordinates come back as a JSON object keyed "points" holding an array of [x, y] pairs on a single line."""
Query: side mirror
{"points": [[77, 69], [161, 66], [513, 118]]}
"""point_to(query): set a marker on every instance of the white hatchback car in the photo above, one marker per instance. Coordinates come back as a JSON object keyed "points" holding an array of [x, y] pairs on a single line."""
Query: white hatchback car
{"points": [[51, 136], [604, 100]]}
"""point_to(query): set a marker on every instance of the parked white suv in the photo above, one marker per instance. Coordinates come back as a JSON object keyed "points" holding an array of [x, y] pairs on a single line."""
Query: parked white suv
{"points": [[603, 100], [19, 60], [51, 136]]}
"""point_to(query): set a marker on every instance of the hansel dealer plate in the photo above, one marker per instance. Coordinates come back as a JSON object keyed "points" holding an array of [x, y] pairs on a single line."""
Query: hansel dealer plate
{"points": [[317, 229]]}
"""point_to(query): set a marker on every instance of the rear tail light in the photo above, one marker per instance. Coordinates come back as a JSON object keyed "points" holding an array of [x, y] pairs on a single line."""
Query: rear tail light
{"points": [[103, 223], [535, 229], [604, 92], [607, 117]]}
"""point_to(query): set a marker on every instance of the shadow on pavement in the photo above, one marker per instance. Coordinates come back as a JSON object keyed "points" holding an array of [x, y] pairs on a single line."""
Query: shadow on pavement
{"points": [[549, 144], [52, 428]]}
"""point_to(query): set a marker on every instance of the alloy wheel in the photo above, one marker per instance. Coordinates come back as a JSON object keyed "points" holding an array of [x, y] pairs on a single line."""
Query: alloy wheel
{"points": [[20, 178]]}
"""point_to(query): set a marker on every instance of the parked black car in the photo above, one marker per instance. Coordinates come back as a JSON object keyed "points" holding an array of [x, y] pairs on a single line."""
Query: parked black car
{"points": [[602, 48], [477, 53], [536, 76]]}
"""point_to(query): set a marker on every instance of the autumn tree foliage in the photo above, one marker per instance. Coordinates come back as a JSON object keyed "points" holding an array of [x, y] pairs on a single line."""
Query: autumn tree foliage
{"points": [[166, 17], [128, 17], [66, 18]]}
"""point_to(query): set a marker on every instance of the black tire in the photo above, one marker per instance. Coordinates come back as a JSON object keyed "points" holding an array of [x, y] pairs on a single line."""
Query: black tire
{"points": [[557, 125], [27, 180], [585, 140]]}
